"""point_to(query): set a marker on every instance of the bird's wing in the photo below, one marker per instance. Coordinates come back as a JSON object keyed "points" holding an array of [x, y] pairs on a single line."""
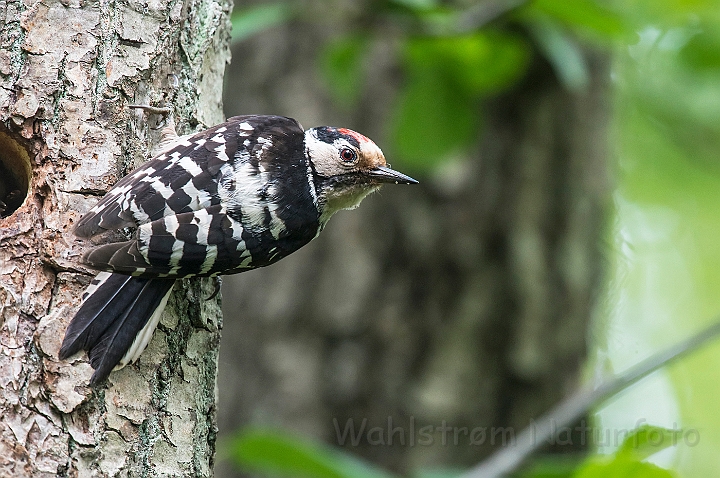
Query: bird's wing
{"points": [[193, 243], [196, 243], [183, 178]]}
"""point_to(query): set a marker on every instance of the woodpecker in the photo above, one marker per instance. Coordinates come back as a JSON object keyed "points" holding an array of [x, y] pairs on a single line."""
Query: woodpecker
{"points": [[238, 196]]}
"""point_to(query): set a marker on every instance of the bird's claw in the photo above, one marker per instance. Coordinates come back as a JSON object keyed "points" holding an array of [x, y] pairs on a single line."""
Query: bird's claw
{"points": [[218, 285]]}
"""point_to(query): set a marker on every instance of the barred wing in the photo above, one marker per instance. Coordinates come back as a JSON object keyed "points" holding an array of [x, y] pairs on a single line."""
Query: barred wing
{"points": [[185, 177], [198, 243]]}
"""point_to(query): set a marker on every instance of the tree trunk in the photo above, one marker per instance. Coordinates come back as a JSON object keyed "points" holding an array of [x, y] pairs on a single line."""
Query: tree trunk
{"points": [[463, 302], [67, 71]]}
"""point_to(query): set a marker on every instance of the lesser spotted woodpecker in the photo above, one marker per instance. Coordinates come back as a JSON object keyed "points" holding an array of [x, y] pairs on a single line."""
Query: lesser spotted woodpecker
{"points": [[238, 196]]}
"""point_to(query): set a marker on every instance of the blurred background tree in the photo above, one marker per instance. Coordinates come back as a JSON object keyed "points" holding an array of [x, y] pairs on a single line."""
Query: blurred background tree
{"points": [[469, 300]]}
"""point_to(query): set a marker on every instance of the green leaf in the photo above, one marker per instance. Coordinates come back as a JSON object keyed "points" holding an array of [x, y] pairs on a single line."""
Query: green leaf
{"points": [[579, 14], [278, 453], [417, 4], [622, 468], [562, 52], [437, 474], [553, 466], [627, 461], [252, 20], [702, 52], [439, 107], [342, 65], [647, 440], [482, 63], [432, 120]]}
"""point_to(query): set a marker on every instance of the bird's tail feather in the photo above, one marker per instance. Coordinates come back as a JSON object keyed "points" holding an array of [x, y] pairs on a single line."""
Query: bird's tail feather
{"points": [[116, 320]]}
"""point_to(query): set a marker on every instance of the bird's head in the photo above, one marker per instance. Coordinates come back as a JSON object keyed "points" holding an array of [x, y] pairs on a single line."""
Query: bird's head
{"points": [[349, 165]]}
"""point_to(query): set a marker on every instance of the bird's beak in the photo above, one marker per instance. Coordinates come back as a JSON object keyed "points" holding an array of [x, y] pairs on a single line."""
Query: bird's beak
{"points": [[387, 175]]}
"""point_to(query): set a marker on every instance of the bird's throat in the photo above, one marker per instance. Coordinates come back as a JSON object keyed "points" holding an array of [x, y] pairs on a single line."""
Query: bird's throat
{"points": [[347, 197]]}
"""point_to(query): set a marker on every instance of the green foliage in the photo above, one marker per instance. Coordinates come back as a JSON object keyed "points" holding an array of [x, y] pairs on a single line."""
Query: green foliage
{"points": [[621, 468], [670, 83], [449, 71], [250, 21], [562, 51], [277, 453], [557, 27], [701, 53], [481, 63], [628, 462], [587, 17], [417, 4], [439, 108], [437, 474], [551, 466], [342, 63], [667, 139]]}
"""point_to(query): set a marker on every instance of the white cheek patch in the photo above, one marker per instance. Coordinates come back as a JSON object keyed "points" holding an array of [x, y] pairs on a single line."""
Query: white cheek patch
{"points": [[326, 156], [318, 151]]}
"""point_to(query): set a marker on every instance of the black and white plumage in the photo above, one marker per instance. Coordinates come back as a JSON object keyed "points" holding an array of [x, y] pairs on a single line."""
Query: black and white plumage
{"points": [[240, 195]]}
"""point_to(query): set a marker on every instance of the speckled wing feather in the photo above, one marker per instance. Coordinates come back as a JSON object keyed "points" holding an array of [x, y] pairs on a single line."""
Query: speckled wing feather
{"points": [[196, 243], [226, 200], [181, 179]]}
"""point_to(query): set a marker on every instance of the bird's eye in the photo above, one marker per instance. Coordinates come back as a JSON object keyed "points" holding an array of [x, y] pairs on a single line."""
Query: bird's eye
{"points": [[348, 155]]}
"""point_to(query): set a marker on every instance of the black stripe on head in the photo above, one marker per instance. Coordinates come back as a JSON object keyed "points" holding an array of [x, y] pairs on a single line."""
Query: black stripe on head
{"points": [[328, 134]]}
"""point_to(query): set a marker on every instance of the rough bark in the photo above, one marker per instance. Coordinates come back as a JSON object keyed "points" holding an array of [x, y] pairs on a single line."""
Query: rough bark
{"points": [[67, 70], [464, 301]]}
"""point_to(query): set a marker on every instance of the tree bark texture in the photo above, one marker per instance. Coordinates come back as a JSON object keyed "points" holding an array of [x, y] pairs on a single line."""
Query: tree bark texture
{"points": [[462, 302], [67, 71]]}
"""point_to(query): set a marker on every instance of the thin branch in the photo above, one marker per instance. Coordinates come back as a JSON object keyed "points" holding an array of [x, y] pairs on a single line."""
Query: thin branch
{"points": [[576, 406]]}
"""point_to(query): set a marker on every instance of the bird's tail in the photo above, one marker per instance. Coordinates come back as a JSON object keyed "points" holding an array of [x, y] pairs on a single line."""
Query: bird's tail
{"points": [[116, 320]]}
